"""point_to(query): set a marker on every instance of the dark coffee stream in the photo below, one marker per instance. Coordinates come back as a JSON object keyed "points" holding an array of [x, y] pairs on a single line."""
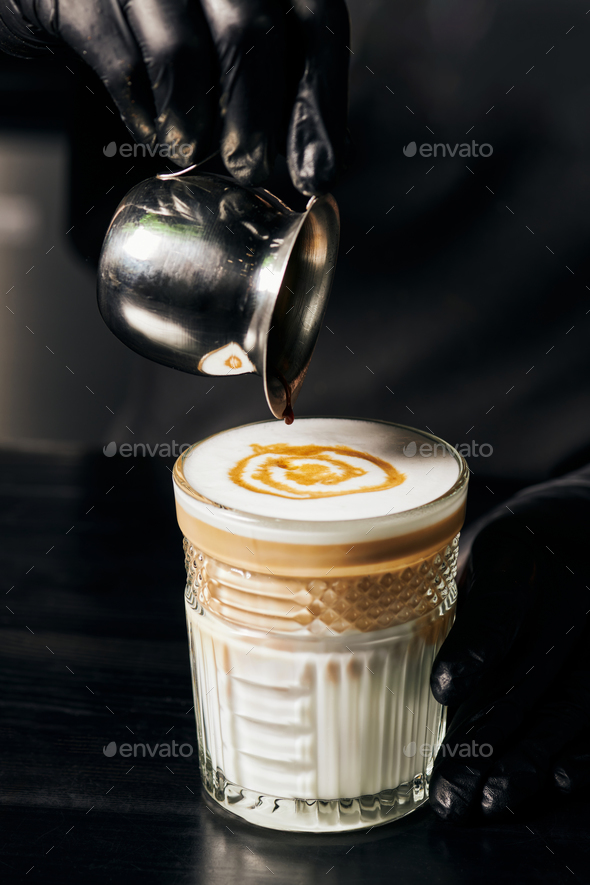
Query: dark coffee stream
{"points": [[288, 413]]}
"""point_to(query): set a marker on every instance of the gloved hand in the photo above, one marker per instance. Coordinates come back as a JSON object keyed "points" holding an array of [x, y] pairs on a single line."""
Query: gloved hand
{"points": [[256, 77], [517, 660]]}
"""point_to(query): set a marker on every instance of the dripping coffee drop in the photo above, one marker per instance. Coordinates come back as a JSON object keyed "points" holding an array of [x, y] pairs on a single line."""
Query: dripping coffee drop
{"points": [[288, 413]]}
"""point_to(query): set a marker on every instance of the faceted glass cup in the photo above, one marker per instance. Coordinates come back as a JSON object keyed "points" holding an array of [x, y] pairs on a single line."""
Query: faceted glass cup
{"points": [[311, 657]]}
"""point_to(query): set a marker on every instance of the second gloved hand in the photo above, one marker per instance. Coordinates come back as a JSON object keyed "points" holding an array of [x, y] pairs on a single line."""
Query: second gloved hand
{"points": [[517, 660]]}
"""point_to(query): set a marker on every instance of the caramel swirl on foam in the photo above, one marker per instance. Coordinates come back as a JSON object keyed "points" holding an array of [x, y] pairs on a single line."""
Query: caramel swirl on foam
{"points": [[313, 471]]}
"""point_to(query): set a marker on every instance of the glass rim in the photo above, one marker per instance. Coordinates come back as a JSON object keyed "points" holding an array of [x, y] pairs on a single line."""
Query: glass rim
{"points": [[296, 525]]}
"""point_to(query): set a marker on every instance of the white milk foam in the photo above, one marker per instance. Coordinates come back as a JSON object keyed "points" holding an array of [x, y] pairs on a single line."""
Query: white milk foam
{"points": [[280, 483]]}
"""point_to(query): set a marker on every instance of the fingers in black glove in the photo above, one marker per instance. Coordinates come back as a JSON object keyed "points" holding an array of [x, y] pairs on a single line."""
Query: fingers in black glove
{"points": [[177, 51], [98, 31], [512, 637], [528, 764], [317, 137], [571, 770], [489, 619], [28, 29], [278, 72], [155, 57], [250, 40]]}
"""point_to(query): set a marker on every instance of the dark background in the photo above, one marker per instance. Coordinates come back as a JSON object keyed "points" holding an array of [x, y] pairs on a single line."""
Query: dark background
{"points": [[461, 304]]}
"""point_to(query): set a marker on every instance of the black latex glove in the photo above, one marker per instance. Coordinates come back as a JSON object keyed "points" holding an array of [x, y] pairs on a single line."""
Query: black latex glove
{"points": [[517, 661], [255, 77]]}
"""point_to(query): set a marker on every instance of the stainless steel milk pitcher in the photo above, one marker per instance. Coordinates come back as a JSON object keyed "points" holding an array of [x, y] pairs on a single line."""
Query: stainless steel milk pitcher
{"points": [[204, 275]]}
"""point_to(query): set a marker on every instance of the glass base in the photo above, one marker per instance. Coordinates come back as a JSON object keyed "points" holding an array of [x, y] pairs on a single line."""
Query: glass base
{"points": [[317, 815]]}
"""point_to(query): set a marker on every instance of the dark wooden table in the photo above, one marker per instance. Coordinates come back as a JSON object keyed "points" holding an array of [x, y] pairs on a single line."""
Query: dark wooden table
{"points": [[94, 650]]}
